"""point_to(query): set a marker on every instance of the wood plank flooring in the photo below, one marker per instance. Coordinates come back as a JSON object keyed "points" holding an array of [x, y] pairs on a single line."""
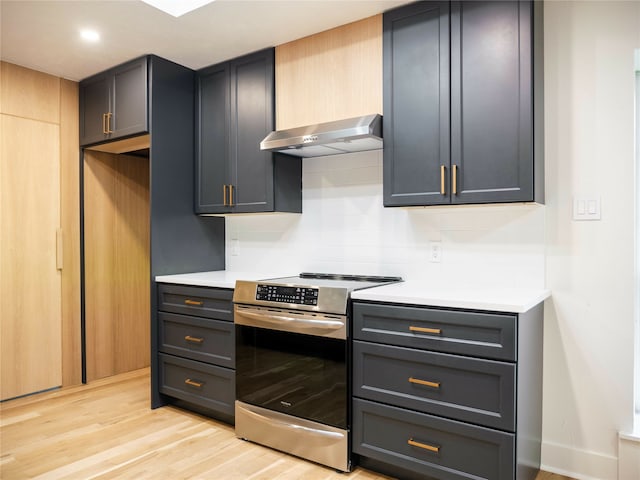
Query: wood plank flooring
{"points": [[106, 430]]}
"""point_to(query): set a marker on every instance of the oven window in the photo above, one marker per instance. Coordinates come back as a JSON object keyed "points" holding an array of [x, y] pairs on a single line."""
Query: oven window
{"points": [[296, 374]]}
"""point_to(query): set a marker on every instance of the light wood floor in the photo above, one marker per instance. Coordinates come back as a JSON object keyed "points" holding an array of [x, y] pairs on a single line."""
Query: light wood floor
{"points": [[106, 430]]}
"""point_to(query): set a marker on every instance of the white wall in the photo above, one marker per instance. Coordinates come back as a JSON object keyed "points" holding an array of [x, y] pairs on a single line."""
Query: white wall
{"points": [[588, 372], [345, 229], [589, 120]]}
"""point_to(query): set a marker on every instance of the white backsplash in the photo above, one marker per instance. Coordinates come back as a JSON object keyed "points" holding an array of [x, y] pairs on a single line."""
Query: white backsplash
{"points": [[345, 229]]}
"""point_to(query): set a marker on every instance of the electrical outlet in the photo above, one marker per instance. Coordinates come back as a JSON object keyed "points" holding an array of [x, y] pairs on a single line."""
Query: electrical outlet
{"points": [[235, 247], [435, 252]]}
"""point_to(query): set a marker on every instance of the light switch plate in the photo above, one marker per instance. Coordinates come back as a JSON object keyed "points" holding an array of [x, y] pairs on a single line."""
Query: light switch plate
{"points": [[586, 208]]}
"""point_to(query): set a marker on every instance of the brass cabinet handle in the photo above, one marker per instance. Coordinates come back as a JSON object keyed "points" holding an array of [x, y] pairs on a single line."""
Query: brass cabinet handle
{"points": [[193, 302], [226, 195], [435, 331], [191, 339], [109, 115], [424, 382], [442, 175], [105, 129], [454, 180], [193, 383], [431, 448]]}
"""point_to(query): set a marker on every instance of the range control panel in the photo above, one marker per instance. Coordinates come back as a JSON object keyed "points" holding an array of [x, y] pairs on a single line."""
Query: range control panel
{"points": [[284, 294]]}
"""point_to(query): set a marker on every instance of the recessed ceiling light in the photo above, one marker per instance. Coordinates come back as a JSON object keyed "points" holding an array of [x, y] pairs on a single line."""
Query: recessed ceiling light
{"points": [[175, 7], [89, 35]]}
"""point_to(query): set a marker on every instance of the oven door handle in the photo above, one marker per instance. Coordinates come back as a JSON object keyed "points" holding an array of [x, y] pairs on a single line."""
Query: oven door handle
{"points": [[265, 319], [311, 323]]}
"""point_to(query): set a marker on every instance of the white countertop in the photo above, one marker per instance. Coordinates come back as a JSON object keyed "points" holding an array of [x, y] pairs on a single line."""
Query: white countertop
{"points": [[218, 278], [515, 300]]}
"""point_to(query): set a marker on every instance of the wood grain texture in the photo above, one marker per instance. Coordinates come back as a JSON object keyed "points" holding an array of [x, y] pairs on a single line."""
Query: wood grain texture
{"points": [[110, 432], [331, 75], [70, 225], [30, 304], [123, 146], [117, 276], [29, 94]]}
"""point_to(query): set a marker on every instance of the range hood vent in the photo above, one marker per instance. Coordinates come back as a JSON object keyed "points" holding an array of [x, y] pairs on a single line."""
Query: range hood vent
{"points": [[332, 138]]}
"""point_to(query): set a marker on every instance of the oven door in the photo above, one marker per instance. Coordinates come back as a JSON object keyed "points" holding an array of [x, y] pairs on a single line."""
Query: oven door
{"points": [[299, 374]]}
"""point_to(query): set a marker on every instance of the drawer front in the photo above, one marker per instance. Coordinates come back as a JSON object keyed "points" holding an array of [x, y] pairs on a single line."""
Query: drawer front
{"points": [[196, 382], [431, 446], [200, 301], [206, 340], [453, 331], [469, 389]]}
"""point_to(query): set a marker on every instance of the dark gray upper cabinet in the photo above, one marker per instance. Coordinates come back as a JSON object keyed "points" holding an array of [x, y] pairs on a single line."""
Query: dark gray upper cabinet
{"points": [[212, 139], [463, 103], [235, 110], [416, 103], [113, 104]]}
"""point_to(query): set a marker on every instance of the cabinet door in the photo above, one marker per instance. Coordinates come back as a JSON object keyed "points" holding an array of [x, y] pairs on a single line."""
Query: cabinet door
{"points": [[429, 446], [491, 94], [416, 104], [463, 388], [129, 99], [252, 119], [94, 105], [212, 139], [30, 307]]}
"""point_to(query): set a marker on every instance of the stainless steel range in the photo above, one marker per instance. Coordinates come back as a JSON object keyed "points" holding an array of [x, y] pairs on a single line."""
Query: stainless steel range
{"points": [[292, 363]]}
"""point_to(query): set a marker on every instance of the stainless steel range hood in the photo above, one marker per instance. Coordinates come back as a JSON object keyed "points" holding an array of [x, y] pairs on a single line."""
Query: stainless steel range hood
{"points": [[342, 136]]}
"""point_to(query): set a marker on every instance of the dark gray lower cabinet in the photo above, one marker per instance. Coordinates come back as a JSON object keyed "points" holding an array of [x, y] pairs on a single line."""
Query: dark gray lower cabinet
{"points": [[196, 345], [432, 445], [198, 383], [425, 406]]}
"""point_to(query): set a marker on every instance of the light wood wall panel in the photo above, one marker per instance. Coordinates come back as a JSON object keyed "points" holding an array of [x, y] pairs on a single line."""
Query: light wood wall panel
{"points": [[331, 75], [70, 225], [30, 302], [29, 94], [117, 274]]}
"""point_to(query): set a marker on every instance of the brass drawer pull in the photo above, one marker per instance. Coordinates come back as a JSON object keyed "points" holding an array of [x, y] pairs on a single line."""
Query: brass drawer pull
{"points": [[442, 186], [435, 331], [191, 339], [193, 383], [231, 195], [224, 195], [424, 382], [431, 448], [454, 180], [195, 303]]}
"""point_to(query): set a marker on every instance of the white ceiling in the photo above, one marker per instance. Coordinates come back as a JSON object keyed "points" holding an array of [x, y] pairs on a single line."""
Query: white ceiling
{"points": [[45, 35]]}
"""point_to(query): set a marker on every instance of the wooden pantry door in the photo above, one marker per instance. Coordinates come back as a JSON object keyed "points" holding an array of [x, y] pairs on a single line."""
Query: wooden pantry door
{"points": [[30, 283]]}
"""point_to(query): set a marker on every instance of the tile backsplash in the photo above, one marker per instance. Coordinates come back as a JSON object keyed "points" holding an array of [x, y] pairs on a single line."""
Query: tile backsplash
{"points": [[345, 229]]}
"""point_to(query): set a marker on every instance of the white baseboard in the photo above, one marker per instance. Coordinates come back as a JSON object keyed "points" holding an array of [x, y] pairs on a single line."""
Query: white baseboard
{"points": [[629, 457], [579, 464]]}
